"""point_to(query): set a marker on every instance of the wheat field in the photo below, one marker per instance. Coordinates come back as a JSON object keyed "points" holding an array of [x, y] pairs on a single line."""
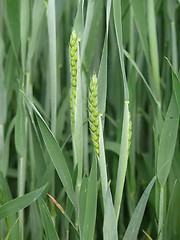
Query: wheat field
{"points": [[89, 119]]}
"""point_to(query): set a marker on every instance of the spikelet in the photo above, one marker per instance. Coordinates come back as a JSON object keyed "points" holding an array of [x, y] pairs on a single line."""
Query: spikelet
{"points": [[73, 53], [93, 113]]}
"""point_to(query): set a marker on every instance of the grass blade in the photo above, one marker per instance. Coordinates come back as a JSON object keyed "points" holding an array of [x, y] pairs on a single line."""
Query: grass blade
{"points": [[24, 30], [119, 35], [140, 19], [153, 49], [91, 204], [57, 158], [48, 224], [13, 206], [167, 141], [56, 155], [136, 219], [123, 159], [12, 227], [51, 20], [110, 223]]}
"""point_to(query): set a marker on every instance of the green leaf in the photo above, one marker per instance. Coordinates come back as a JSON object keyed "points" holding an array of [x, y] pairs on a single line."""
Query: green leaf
{"points": [[13, 206], [171, 9], [102, 161], [123, 159], [3, 91], [89, 17], [48, 224], [102, 76], [57, 158], [112, 146], [110, 223], [38, 13], [119, 35], [82, 202], [20, 128], [51, 24], [141, 23], [136, 219], [56, 155], [176, 82], [91, 204], [12, 19], [79, 20], [142, 77], [13, 230], [167, 142], [24, 30], [5, 163]]}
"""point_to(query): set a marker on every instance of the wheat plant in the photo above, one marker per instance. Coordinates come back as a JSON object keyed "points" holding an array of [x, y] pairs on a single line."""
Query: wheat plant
{"points": [[89, 119]]}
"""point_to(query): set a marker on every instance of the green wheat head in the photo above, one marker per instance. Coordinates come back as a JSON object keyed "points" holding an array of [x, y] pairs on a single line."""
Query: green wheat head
{"points": [[93, 112], [73, 52]]}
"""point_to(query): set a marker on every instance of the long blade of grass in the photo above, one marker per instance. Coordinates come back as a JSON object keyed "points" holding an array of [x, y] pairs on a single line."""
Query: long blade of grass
{"points": [[3, 91], [90, 12], [20, 142], [3, 102], [166, 150], [48, 224], [102, 76], [110, 223], [82, 203], [24, 30], [5, 162], [91, 204], [176, 83], [13, 206], [79, 20], [123, 158], [38, 13], [136, 219], [142, 77], [11, 10], [167, 142], [20, 127], [153, 49], [102, 161], [119, 35], [51, 20], [63, 212], [138, 7], [56, 155], [171, 10], [12, 220]]}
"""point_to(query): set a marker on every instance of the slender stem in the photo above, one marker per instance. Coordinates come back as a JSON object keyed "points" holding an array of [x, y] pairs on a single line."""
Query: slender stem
{"points": [[153, 49], [1, 166], [51, 22], [51, 19], [161, 214], [21, 188], [174, 47], [1, 145]]}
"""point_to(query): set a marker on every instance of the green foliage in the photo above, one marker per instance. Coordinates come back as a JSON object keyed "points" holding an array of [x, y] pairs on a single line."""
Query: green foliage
{"points": [[110, 160]]}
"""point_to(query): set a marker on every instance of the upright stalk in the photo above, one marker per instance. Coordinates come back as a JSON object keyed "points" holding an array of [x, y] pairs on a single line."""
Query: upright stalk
{"points": [[161, 214], [51, 21], [153, 50], [174, 46]]}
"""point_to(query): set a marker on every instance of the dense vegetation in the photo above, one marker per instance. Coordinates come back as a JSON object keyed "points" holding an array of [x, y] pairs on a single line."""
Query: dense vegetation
{"points": [[89, 119]]}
